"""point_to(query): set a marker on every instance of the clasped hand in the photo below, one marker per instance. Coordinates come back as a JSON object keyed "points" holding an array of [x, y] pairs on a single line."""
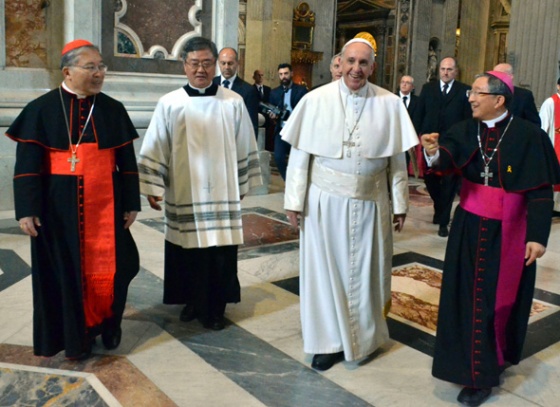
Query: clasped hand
{"points": [[430, 142]]}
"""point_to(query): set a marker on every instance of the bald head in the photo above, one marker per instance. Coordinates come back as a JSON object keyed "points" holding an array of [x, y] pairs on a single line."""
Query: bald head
{"points": [[505, 68], [228, 62]]}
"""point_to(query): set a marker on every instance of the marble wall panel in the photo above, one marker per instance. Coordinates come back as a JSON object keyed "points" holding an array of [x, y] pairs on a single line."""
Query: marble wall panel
{"points": [[155, 23], [26, 33]]}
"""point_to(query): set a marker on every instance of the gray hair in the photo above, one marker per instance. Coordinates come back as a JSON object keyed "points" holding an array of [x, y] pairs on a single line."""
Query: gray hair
{"points": [[198, 44], [71, 57], [495, 85]]}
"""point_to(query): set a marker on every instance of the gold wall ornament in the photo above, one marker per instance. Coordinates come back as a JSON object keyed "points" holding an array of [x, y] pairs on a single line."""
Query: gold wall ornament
{"points": [[303, 23], [364, 35]]}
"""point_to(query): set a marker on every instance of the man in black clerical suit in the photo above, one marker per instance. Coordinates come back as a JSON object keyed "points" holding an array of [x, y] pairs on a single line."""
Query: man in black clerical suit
{"points": [[263, 91], [286, 97], [523, 103], [441, 104], [228, 61]]}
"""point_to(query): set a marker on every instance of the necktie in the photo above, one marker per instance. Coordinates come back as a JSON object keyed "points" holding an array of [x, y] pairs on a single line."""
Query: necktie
{"points": [[404, 100], [445, 87], [225, 84], [261, 90]]}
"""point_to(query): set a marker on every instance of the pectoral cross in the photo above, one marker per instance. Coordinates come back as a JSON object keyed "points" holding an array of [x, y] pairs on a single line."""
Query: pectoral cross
{"points": [[486, 174], [73, 160], [348, 144]]}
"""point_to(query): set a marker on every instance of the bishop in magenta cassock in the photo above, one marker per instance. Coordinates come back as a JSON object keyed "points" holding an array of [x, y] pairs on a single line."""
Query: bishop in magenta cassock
{"points": [[76, 194], [499, 229]]}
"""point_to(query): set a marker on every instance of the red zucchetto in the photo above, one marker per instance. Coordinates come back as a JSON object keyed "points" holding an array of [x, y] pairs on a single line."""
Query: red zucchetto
{"points": [[72, 45]]}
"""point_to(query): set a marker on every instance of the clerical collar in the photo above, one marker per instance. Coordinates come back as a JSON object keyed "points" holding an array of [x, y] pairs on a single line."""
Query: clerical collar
{"points": [[492, 123], [208, 91], [67, 89]]}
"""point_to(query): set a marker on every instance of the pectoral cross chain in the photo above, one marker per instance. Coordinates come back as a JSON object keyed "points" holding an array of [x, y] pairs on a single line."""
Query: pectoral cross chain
{"points": [[486, 174], [73, 160]]}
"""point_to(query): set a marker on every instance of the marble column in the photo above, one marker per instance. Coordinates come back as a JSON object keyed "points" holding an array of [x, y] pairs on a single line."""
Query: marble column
{"points": [[421, 34], [534, 46], [472, 45]]}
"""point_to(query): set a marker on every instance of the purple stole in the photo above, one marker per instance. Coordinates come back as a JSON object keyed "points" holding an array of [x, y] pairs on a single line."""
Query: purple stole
{"points": [[511, 209]]}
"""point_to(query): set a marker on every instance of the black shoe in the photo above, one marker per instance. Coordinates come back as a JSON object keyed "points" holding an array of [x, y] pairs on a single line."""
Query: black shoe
{"points": [[111, 338], [214, 323], [435, 219], [326, 361], [188, 313], [443, 232], [472, 397], [86, 352]]}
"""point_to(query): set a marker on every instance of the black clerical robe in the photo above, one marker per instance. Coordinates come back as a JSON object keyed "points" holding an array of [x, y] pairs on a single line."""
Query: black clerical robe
{"points": [[466, 350], [83, 259]]}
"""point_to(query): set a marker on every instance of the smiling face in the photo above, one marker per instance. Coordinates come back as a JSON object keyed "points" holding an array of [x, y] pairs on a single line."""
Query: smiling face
{"points": [[485, 107], [82, 81], [200, 77], [357, 65]]}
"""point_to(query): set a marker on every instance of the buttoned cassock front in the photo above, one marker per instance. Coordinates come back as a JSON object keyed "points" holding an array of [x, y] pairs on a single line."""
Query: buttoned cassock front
{"points": [[342, 190]]}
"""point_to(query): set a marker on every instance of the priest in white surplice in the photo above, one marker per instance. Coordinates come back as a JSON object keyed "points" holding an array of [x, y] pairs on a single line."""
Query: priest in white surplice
{"points": [[200, 154], [347, 166]]}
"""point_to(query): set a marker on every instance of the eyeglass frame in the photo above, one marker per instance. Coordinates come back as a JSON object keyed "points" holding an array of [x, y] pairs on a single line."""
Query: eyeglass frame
{"points": [[92, 69], [204, 64], [470, 92]]}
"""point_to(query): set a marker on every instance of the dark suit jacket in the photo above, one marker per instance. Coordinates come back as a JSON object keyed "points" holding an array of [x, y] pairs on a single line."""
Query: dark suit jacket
{"points": [[523, 105], [277, 99], [436, 112], [412, 103], [250, 96], [266, 93]]}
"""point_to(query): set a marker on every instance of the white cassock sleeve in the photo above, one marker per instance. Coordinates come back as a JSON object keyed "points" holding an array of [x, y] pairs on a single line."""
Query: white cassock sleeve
{"points": [[297, 177], [398, 181]]}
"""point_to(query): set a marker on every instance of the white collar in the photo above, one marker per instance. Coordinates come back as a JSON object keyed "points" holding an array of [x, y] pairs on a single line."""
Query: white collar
{"points": [[67, 89], [450, 84], [231, 80], [492, 122]]}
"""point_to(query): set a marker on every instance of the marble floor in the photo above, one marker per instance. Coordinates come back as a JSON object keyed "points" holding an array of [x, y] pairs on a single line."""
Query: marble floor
{"points": [[258, 359]]}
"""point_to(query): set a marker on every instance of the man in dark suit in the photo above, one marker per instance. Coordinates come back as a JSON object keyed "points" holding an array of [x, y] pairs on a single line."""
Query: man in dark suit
{"points": [[262, 90], [441, 104], [523, 103], [228, 62], [286, 97], [410, 100]]}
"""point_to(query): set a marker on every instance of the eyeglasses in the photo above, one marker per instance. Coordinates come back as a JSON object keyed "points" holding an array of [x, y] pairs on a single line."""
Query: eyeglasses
{"points": [[475, 93], [93, 68], [204, 64]]}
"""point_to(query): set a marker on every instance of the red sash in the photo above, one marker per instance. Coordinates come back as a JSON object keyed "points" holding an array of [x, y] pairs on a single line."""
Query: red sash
{"points": [[97, 225], [511, 209]]}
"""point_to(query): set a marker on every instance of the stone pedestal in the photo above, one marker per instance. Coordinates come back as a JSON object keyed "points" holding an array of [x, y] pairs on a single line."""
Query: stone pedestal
{"points": [[264, 159]]}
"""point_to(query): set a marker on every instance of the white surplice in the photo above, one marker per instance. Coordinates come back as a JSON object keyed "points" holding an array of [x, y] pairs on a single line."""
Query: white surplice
{"points": [[343, 193], [546, 114], [200, 153]]}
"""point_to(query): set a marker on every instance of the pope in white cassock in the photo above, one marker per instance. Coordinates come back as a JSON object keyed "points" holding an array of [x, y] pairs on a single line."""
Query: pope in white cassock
{"points": [[200, 154], [346, 174]]}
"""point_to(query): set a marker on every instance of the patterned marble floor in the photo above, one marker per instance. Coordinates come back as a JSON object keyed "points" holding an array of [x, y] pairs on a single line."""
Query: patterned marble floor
{"points": [[258, 359]]}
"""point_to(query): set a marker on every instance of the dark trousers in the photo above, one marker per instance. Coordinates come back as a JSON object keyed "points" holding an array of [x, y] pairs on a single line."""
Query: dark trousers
{"points": [[281, 151], [442, 190], [204, 277]]}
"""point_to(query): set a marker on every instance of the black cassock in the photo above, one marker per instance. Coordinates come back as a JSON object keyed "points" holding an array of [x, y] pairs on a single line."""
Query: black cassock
{"points": [[81, 215], [466, 352]]}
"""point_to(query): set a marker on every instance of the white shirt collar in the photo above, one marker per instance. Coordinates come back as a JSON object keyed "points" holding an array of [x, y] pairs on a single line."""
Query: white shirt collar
{"points": [[492, 122], [450, 84], [231, 80]]}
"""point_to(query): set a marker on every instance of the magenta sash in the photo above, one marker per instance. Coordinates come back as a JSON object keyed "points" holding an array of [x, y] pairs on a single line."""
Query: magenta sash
{"points": [[511, 209]]}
